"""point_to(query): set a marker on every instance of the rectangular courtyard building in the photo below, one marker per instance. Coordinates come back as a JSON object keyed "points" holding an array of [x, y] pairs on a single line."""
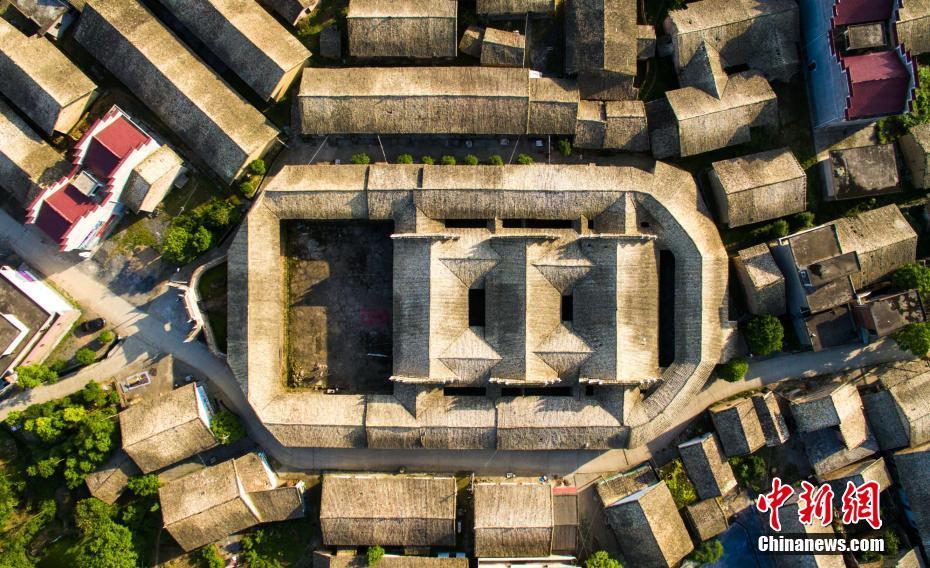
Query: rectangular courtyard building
{"points": [[168, 429], [649, 527], [247, 39], [27, 162], [385, 510], [758, 187], [512, 520], [192, 100], [762, 280], [403, 29], [41, 81], [434, 100]]}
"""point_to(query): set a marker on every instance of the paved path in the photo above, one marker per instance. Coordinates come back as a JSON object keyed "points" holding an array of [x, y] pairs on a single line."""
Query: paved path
{"points": [[153, 336]]}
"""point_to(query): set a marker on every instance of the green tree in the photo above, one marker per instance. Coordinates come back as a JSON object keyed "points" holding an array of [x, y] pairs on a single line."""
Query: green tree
{"points": [[471, 160], [733, 370], [803, 220], [9, 496], [912, 276], [219, 214], [144, 485], [750, 471], [525, 159], [764, 334], [374, 554], [360, 159], [226, 427], [31, 376], [210, 557], [85, 356], [601, 559], [257, 167], [428, 160], [106, 336], [495, 160], [247, 188], [681, 488], [915, 338], [201, 240], [565, 147], [405, 159], [104, 543], [709, 552], [94, 396], [174, 246]]}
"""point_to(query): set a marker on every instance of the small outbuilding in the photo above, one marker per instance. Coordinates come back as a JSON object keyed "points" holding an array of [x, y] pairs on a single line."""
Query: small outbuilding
{"points": [[41, 81], [707, 467], [167, 429], [707, 518], [763, 282], [51, 17], [867, 171], [883, 240], [471, 41], [758, 187], [247, 39], [151, 180], [738, 426], [501, 48], [883, 315], [403, 29], [512, 520], [387, 510], [111, 480], [331, 42], [649, 528], [612, 125], [915, 145]]}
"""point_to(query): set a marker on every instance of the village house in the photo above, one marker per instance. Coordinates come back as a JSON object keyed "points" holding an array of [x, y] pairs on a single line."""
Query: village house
{"points": [[500, 48], [738, 427], [867, 171], [112, 478], [200, 108], [762, 281], [615, 125], [216, 501], [881, 316], [602, 48], [707, 467], [385, 510], [293, 11], [247, 39], [915, 145], [872, 469], [712, 110], [758, 187], [34, 318], [883, 240], [910, 398], [50, 17], [771, 418], [509, 9], [402, 29], [790, 523], [163, 431], [856, 71], [760, 34], [28, 164], [324, 559], [707, 518], [649, 528], [520, 520], [471, 101], [913, 26], [912, 465], [41, 81], [115, 156]]}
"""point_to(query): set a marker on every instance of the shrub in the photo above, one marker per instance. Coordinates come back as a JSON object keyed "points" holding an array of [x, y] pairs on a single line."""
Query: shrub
{"points": [[892, 543], [226, 427], [601, 559], [174, 245], [106, 336], [257, 167], [405, 159], [247, 188], [218, 214], [779, 229], [911, 276], [496, 160], [803, 220], [750, 471], [764, 334], [525, 159], [374, 554], [428, 160], [447, 161], [681, 488], [59, 365], [708, 553], [31, 376], [210, 557], [471, 160], [360, 159], [733, 370], [85, 356], [565, 147], [201, 240], [915, 338], [144, 485]]}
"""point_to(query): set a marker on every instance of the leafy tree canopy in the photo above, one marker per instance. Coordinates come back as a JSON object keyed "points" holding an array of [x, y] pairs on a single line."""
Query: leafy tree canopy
{"points": [[104, 543], [31, 376], [912, 276], [709, 552], [85, 356], [144, 485], [764, 334], [733, 370], [226, 427], [601, 559], [915, 338]]}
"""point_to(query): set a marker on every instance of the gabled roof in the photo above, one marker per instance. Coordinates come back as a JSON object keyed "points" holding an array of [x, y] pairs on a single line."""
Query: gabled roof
{"points": [[27, 163], [707, 467], [512, 519], [649, 528], [759, 170]]}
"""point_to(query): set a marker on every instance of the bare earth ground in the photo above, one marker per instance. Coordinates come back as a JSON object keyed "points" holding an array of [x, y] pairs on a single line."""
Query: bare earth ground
{"points": [[339, 297]]}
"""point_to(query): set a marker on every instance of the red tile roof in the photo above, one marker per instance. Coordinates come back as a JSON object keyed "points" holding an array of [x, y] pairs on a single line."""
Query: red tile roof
{"points": [[879, 84], [60, 211], [111, 146], [847, 12]]}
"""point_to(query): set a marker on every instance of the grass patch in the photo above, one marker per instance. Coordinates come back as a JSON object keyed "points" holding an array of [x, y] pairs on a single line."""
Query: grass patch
{"points": [[136, 236], [197, 191]]}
